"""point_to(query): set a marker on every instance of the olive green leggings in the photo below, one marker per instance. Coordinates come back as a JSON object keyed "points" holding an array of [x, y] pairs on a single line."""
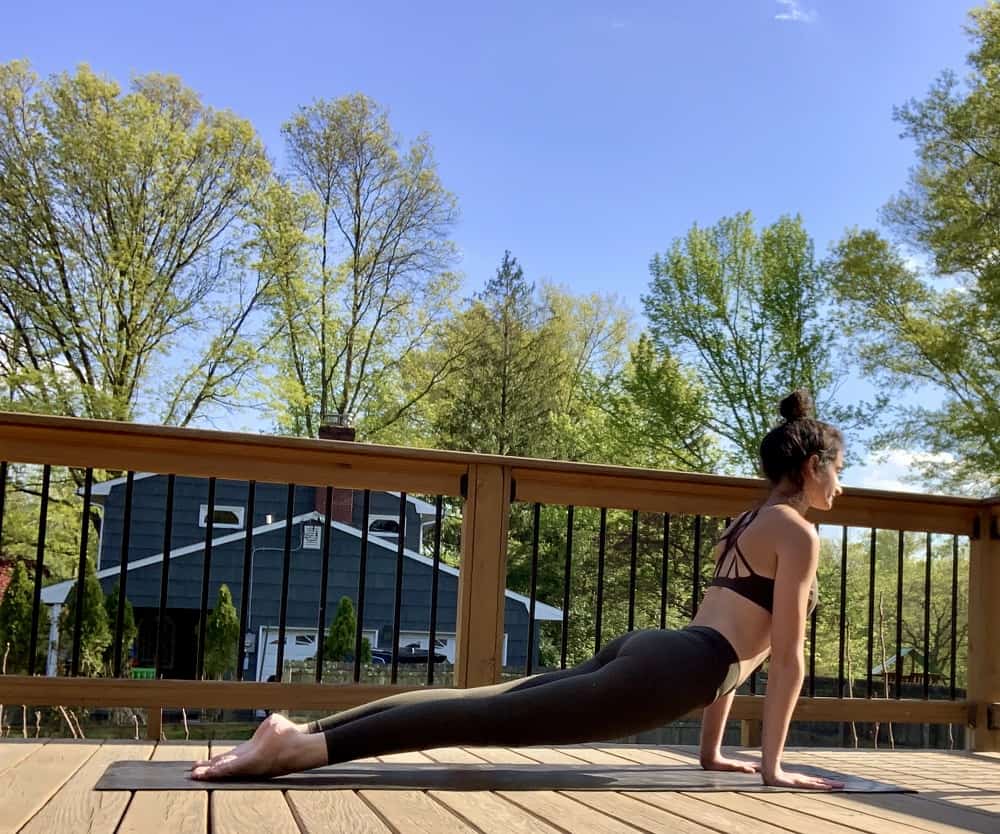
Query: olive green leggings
{"points": [[637, 682]]}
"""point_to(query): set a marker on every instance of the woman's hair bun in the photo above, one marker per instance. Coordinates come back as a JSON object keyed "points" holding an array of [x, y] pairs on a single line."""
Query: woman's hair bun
{"points": [[797, 406]]}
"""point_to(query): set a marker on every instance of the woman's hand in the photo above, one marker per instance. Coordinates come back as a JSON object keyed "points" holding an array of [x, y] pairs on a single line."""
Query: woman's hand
{"points": [[720, 762], [783, 779]]}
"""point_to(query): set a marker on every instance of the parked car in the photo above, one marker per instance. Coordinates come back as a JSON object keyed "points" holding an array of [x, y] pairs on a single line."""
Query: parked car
{"points": [[407, 654]]}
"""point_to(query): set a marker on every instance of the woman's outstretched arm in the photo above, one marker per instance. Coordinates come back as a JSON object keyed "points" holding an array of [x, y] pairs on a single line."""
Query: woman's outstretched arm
{"points": [[798, 558]]}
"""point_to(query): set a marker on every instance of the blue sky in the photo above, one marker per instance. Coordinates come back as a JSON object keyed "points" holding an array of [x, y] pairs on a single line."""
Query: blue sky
{"points": [[583, 136]]}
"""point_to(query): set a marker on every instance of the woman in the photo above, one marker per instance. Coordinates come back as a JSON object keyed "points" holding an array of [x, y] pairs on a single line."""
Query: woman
{"points": [[756, 605]]}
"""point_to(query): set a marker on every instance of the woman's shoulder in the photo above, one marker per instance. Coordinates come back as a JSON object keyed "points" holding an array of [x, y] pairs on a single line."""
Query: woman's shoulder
{"points": [[786, 521]]}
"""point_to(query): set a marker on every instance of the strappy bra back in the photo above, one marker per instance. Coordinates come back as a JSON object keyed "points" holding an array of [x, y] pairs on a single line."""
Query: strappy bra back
{"points": [[733, 571]]}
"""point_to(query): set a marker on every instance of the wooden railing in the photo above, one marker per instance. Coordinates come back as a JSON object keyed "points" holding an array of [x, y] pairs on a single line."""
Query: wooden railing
{"points": [[488, 484]]}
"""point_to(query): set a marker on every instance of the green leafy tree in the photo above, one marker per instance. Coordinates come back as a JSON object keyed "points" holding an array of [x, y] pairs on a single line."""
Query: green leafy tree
{"points": [[929, 324], [95, 633], [129, 628], [340, 637], [742, 308], [370, 288], [120, 217], [222, 634], [15, 623]]}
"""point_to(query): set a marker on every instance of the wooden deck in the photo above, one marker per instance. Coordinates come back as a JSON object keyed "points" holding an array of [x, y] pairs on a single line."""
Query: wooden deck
{"points": [[47, 788]]}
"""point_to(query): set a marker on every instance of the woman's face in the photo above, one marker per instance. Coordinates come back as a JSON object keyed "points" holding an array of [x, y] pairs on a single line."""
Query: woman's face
{"points": [[822, 481]]}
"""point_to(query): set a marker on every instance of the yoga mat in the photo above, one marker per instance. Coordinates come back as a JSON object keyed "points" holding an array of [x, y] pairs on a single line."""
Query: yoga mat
{"points": [[175, 776]]}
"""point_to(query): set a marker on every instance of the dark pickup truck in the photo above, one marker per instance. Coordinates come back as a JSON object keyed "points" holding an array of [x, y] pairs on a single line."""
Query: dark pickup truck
{"points": [[407, 654]]}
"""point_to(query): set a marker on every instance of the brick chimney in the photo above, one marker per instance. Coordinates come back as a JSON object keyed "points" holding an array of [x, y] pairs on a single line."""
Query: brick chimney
{"points": [[334, 427]]}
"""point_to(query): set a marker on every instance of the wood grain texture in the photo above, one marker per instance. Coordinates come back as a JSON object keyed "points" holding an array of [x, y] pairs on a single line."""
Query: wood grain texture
{"points": [[77, 807], [26, 788], [321, 812]]}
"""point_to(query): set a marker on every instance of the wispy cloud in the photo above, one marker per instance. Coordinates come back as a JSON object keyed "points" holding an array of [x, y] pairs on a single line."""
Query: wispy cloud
{"points": [[792, 12]]}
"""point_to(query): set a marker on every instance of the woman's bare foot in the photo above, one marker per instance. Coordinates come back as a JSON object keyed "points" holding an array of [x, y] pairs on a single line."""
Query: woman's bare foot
{"points": [[278, 747]]}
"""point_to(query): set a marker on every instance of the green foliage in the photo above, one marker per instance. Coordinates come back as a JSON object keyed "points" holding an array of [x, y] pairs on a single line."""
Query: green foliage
{"points": [[918, 332], [339, 643], [15, 623], [742, 309], [95, 634], [121, 213], [367, 282], [129, 629], [222, 634]]}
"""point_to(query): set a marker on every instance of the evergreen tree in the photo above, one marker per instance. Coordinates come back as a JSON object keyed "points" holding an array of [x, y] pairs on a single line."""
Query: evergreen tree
{"points": [[15, 623], [129, 628], [222, 634], [95, 635], [339, 643]]}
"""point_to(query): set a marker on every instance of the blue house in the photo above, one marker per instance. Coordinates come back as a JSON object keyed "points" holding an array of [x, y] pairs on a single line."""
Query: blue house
{"points": [[268, 527]]}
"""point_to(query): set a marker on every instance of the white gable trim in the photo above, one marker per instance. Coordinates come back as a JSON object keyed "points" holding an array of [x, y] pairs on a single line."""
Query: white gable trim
{"points": [[56, 594]]}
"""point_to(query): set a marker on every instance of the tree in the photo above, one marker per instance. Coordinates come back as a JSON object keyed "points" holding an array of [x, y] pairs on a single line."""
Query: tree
{"points": [[15, 622], [376, 285], [742, 309], [129, 628], [120, 214], [503, 396], [340, 638], [933, 330], [95, 634], [222, 635]]}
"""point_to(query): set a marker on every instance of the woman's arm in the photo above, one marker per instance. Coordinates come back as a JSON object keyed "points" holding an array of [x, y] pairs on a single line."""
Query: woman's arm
{"points": [[713, 726], [798, 558]]}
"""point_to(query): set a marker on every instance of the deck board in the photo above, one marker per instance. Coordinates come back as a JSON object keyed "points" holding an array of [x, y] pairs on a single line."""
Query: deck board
{"points": [[26, 787], [77, 807], [47, 787]]}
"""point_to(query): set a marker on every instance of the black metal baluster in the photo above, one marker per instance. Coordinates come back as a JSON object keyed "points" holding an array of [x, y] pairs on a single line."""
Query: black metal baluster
{"points": [[536, 523], [954, 615], [397, 606], [165, 580], [206, 572], [123, 573], [247, 581], [696, 568], [927, 619], [324, 577], [436, 569], [3, 497], [36, 604], [899, 616], [366, 505], [567, 575], [286, 569], [601, 543], [633, 568], [665, 572], [81, 569], [843, 614], [812, 653], [871, 611]]}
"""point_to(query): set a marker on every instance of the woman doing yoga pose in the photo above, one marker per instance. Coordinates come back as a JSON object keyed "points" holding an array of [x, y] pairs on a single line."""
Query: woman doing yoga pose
{"points": [[756, 606]]}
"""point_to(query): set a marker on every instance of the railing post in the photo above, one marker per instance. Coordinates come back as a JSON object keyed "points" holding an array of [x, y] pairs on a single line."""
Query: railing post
{"points": [[154, 724], [482, 576], [984, 626]]}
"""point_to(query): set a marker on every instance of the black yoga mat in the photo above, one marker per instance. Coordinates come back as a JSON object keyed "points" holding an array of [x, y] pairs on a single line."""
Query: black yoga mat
{"points": [[175, 776]]}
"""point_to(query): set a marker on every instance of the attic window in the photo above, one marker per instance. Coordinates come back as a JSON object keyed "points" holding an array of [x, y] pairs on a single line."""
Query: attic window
{"points": [[223, 517], [384, 526]]}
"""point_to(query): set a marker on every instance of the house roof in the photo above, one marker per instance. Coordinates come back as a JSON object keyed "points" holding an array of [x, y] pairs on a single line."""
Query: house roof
{"points": [[56, 594], [103, 488]]}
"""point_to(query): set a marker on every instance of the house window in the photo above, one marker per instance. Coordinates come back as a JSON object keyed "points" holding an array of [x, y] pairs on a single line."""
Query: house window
{"points": [[223, 517], [386, 526]]}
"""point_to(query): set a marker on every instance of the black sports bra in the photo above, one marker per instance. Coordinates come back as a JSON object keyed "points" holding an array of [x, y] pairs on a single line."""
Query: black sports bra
{"points": [[738, 576]]}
